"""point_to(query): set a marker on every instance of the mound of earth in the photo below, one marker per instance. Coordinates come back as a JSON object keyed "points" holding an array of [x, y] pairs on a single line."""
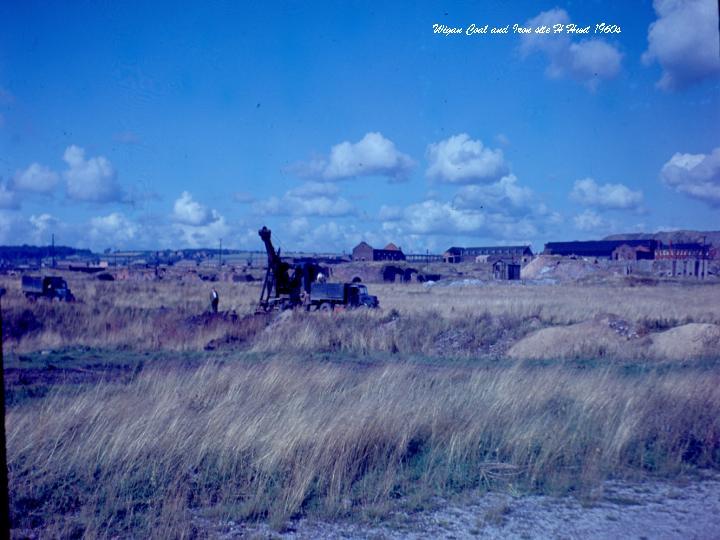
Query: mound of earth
{"points": [[609, 336], [588, 339], [686, 342], [553, 267]]}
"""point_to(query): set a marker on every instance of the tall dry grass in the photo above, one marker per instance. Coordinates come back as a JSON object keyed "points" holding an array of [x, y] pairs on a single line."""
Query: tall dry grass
{"points": [[450, 321], [367, 332], [274, 439], [137, 315], [663, 306]]}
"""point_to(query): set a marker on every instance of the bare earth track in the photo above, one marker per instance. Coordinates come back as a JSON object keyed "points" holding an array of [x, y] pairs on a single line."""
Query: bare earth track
{"points": [[684, 509]]}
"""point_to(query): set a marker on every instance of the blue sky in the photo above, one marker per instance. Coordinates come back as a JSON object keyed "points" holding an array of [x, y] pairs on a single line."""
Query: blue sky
{"points": [[151, 125]]}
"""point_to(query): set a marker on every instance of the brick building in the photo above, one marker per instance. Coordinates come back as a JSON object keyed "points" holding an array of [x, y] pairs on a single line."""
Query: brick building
{"points": [[511, 253], [365, 252]]}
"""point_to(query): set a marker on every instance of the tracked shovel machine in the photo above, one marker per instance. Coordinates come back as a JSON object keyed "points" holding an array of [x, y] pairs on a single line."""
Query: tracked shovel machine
{"points": [[287, 285]]}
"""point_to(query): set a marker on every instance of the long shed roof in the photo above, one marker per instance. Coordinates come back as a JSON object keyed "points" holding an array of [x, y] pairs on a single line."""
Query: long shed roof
{"points": [[595, 248], [490, 250]]}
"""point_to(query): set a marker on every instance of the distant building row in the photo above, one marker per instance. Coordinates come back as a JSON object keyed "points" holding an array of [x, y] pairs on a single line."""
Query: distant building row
{"points": [[365, 252], [628, 250], [619, 250]]}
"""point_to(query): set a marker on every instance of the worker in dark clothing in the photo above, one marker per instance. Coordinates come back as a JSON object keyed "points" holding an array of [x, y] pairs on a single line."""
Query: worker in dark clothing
{"points": [[214, 300]]}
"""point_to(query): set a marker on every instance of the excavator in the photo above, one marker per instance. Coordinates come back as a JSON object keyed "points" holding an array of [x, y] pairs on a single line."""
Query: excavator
{"points": [[286, 284], [290, 285]]}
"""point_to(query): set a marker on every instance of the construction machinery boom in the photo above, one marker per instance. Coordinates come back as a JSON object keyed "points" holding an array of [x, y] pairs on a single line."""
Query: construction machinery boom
{"points": [[285, 284]]}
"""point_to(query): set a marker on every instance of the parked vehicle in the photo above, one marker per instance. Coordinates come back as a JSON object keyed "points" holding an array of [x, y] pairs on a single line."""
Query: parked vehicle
{"points": [[51, 287], [326, 296]]}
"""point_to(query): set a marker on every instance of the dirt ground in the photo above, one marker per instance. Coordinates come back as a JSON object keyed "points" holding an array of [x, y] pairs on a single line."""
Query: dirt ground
{"points": [[611, 336], [686, 509]]}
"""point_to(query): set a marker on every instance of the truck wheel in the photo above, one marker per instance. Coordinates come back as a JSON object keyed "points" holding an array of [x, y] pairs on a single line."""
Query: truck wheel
{"points": [[326, 306]]}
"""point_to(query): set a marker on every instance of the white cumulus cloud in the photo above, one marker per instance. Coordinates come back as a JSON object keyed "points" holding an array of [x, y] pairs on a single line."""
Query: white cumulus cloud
{"points": [[198, 225], [8, 198], [91, 180], [504, 195], [592, 60], [610, 196], [310, 199], [696, 175], [503, 210], [113, 230], [434, 217], [188, 211], [16, 229], [43, 222], [36, 178], [684, 41], [373, 155], [390, 213], [327, 236], [461, 160], [589, 220], [588, 61], [204, 235]]}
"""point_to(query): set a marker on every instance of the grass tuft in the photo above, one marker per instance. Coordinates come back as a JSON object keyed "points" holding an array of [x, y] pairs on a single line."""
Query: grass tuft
{"points": [[277, 439]]}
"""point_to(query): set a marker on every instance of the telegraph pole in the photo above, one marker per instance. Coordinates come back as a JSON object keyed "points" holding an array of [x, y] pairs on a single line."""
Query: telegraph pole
{"points": [[4, 485], [220, 255]]}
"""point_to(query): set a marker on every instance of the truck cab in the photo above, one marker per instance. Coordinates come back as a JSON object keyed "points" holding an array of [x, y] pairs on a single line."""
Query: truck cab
{"points": [[358, 295], [50, 287]]}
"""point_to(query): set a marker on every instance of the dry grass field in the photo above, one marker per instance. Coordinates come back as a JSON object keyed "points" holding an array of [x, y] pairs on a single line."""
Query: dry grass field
{"points": [[349, 414], [172, 315]]}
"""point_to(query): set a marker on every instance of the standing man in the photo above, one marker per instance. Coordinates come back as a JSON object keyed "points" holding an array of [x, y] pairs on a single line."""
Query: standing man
{"points": [[214, 300]]}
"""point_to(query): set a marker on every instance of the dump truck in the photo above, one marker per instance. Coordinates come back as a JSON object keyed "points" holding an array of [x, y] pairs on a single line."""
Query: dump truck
{"points": [[326, 296], [50, 287]]}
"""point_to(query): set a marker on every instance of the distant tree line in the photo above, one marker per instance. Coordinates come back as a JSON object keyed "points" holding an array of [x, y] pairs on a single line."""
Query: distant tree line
{"points": [[25, 252]]}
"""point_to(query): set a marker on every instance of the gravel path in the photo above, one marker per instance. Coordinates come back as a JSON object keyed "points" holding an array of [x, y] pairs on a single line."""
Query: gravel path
{"points": [[647, 510]]}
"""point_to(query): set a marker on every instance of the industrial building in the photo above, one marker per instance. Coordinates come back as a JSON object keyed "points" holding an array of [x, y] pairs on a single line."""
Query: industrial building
{"points": [[605, 249], [682, 251], [626, 252], [365, 252], [505, 271], [471, 254]]}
